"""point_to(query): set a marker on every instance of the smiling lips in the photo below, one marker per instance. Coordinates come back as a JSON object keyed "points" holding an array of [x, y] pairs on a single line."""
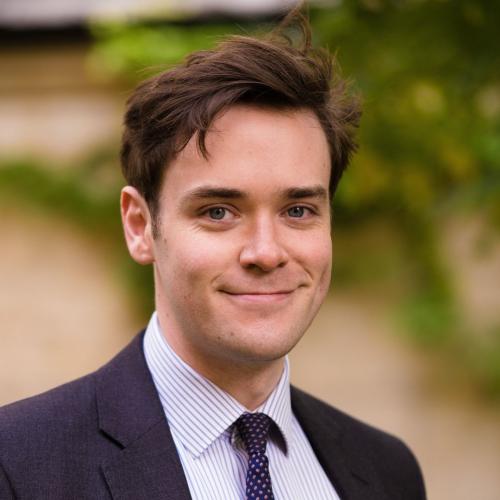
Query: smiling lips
{"points": [[260, 297]]}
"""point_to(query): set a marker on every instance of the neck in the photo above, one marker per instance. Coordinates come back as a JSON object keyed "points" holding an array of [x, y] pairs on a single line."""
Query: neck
{"points": [[250, 385]]}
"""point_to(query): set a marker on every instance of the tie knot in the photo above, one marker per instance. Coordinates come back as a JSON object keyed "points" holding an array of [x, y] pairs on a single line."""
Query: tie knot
{"points": [[253, 429]]}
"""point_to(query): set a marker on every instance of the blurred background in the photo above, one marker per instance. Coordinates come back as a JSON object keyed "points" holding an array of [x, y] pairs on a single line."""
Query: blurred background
{"points": [[409, 339]]}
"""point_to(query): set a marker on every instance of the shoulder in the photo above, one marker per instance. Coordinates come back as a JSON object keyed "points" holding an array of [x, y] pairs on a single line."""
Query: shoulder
{"points": [[385, 455], [29, 423], [52, 435], [337, 421], [68, 407], [53, 444]]}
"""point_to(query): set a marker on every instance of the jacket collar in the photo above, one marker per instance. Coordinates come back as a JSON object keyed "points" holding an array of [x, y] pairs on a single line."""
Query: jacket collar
{"points": [[338, 447], [145, 465]]}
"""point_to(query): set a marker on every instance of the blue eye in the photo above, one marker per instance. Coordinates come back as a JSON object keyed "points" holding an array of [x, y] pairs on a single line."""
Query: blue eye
{"points": [[296, 212], [217, 213]]}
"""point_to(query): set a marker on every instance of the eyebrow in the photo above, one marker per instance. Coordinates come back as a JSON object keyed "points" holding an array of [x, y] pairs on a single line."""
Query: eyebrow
{"points": [[306, 192], [203, 192], [295, 193]]}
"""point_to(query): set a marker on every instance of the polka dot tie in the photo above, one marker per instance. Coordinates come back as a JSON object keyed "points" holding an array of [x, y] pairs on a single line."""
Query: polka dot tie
{"points": [[253, 429]]}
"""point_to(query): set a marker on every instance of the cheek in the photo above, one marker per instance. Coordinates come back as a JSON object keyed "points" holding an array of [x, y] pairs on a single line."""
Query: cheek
{"points": [[193, 260], [324, 252], [316, 253], [325, 265], [317, 261]]}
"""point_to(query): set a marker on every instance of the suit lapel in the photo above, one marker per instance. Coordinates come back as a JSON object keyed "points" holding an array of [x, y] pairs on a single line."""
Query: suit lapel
{"points": [[148, 469], [347, 467], [145, 464]]}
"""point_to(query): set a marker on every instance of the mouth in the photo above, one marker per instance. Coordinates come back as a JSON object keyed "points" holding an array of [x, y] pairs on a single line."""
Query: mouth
{"points": [[259, 297]]}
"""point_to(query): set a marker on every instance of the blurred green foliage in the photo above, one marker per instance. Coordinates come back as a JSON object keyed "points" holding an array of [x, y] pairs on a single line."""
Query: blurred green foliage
{"points": [[429, 74], [132, 52]]}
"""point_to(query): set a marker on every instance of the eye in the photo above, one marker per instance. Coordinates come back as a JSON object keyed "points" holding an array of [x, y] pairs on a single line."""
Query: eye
{"points": [[297, 212], [217, 213], [218, 216]]}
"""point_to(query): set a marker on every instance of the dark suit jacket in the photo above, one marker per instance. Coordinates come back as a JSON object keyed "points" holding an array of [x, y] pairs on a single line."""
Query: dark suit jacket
{"points": [[105, 436]]}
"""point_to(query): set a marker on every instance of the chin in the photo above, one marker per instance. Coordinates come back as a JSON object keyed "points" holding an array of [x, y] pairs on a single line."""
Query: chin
{"points": [[262, 344], [259, 357]]}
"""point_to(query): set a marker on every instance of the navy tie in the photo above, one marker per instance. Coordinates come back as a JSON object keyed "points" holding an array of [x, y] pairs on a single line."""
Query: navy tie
{"points": [[253, 429]]}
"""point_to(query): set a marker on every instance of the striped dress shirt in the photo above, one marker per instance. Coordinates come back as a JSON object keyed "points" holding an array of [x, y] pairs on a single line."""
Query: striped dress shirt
{"points": [[201, 417]]}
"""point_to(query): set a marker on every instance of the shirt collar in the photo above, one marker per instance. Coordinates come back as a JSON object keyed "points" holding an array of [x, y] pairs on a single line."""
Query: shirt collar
{"points": [[197, 410]]}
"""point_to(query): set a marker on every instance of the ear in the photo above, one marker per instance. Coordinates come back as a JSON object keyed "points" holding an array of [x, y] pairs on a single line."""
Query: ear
{"points": [[136, 220]]}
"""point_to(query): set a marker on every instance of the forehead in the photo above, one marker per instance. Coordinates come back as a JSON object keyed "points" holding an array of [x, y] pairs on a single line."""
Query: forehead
{"points": [[256, 149]]}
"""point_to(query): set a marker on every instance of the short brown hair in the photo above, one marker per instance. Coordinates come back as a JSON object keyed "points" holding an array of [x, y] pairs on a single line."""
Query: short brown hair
{"points": [[165, 111]]}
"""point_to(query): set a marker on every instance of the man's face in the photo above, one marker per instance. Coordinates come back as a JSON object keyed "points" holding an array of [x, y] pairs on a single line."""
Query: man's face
{"points": [[243, 256]]}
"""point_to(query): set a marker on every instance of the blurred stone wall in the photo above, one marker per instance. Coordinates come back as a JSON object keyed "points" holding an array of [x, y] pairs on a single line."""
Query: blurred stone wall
{"points": [[51, 105]]}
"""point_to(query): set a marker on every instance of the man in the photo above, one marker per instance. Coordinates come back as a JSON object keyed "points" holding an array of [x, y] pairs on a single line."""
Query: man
{"points": [[231, 160]]}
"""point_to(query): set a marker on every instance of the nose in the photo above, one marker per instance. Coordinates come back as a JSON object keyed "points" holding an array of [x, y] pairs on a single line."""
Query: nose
{"points": [[262, 249]]}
